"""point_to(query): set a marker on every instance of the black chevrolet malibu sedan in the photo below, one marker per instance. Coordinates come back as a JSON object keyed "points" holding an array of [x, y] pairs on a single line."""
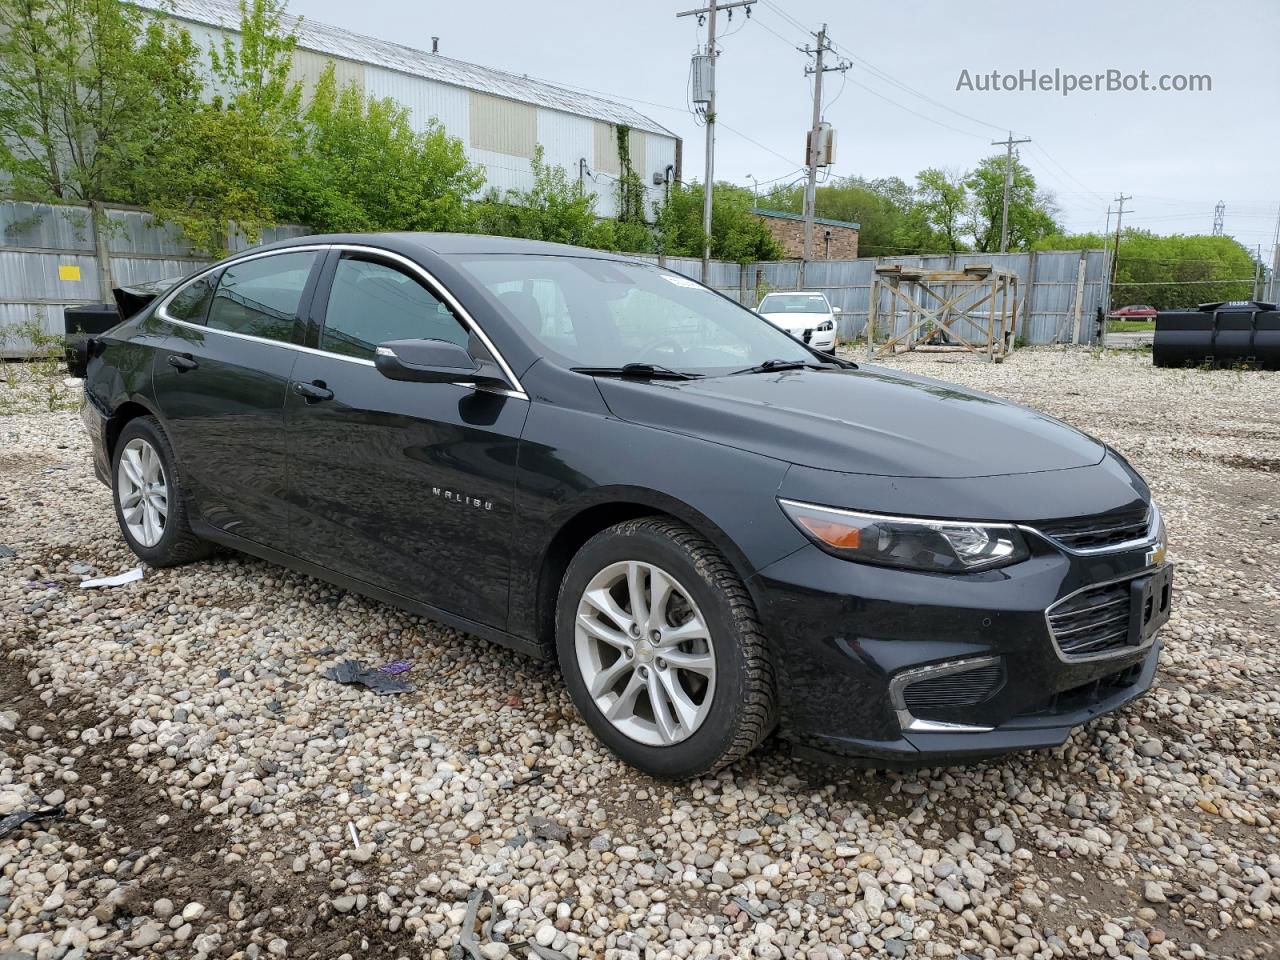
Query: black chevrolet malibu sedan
{"points": [[715, 529]]}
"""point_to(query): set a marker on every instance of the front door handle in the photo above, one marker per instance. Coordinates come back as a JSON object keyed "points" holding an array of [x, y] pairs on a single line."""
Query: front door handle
{"points": [[313, 392], [182, 362]]}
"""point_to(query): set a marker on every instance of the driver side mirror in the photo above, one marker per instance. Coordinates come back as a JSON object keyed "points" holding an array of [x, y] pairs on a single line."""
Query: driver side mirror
{"points": [[837, 310], [435, 361]]}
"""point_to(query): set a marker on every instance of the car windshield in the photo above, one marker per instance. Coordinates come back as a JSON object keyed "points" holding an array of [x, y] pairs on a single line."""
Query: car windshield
{"points": [[609, 313], [794, 303]]}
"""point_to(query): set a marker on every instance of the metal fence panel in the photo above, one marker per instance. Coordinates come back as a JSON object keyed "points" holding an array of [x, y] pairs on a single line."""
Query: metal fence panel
{"points": [[37, 239]]}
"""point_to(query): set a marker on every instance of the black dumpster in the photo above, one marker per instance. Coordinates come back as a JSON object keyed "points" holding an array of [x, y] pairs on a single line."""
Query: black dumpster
{"points": [[80, 323], [1226, 334]]}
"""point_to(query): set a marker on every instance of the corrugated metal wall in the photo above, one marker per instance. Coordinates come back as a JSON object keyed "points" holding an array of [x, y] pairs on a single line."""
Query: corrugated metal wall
{"points": [[48, 261], [1046, 307], [36, 240]]}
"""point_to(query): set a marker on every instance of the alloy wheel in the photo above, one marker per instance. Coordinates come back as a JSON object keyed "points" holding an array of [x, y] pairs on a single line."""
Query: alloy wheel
{"points": [[143, 492], [645, 653]]}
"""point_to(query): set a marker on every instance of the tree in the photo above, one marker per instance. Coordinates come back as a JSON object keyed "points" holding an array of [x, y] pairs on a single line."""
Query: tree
{"points": [[941, 198], [358, 165], [736, 233], [91, 93], [228, 163], [1169, 272], [1031, 213], [553, 208]]}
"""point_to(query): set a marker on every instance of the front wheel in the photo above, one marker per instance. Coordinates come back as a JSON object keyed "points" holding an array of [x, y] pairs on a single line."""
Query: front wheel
{"points": [[660, 647]]}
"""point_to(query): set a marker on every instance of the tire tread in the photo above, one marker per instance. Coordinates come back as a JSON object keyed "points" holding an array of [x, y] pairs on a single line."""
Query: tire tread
{"points": [[759, 714], [185, 547]]}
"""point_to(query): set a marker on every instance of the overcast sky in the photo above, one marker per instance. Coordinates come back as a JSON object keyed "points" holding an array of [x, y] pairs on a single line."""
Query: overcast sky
{"points": [[1177, 154]]}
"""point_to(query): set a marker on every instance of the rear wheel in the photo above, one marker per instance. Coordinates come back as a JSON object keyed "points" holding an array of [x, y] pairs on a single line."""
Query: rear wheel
{"points": [[661, 649], [150, 506]]}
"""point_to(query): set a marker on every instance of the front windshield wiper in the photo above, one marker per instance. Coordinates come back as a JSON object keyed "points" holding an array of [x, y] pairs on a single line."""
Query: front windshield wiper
{"points": [[770, 366], [640, 371]]}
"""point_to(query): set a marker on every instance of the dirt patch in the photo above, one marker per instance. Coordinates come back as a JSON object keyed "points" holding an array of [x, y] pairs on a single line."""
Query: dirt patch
{"points": [[1242, 462], [162, 850]]}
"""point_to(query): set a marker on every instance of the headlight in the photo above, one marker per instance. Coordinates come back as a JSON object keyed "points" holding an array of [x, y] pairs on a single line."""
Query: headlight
{"points": [[826, 325], [942, 546]]}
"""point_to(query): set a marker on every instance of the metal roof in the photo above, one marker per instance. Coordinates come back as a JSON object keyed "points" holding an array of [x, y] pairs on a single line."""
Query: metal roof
{"points": [[336, 42], [784, 215]]}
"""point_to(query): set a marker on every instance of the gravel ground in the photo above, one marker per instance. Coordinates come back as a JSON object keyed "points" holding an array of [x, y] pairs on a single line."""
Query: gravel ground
{"points": [[215, 783]]}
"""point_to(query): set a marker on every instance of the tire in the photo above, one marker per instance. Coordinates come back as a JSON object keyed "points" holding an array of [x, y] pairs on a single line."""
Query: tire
{"points": [[717, 685], [167, 542]]}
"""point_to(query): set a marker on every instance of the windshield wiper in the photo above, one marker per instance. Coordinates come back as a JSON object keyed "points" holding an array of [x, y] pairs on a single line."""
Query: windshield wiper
{"points": [[770, 366], [640, 371]]}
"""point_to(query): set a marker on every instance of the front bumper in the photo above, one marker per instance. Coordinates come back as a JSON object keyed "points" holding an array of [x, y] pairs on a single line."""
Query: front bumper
{"points": [[842, 645]]}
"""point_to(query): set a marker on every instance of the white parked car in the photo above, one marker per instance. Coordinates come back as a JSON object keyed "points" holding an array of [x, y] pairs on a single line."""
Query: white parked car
{"points": [[805, 314]]}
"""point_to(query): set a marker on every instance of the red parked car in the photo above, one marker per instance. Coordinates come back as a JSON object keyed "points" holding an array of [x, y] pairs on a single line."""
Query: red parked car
{"points": [[1135, 311]]}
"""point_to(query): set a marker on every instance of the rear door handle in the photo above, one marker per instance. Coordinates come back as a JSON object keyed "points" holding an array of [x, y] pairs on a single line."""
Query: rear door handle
{"points": [[313, 392], [182, 362]]}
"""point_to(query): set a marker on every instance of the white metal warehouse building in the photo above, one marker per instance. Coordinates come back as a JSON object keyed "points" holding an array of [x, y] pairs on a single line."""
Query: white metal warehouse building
{"points": [[499, 117]]}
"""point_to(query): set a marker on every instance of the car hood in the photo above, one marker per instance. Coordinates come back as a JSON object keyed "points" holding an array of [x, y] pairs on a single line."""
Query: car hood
{"points": [[870, 420]]}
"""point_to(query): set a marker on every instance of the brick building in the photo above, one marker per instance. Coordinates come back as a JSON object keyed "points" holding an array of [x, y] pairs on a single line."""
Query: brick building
{"points": [[832, 239]]}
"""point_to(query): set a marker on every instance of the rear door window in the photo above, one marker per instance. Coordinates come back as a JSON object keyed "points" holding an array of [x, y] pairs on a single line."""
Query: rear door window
{"points": [[371, 303], [261, 298]]}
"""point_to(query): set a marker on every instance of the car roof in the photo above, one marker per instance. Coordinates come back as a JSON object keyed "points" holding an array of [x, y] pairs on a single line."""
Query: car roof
{"points": [[448, 244], [804, 293]]}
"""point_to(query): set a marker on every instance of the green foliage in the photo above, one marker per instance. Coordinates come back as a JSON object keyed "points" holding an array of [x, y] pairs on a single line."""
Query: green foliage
{"points": [[630, 188], [358, 165], [554, 208], [230, 162], [1169, 272], [940, 201], [90, 90], [1031, 213], [33, 381], [736, 233]]}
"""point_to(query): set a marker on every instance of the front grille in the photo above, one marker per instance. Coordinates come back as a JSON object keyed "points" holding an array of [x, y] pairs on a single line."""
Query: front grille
{"points": [[964, 689], [1093, 621], [1103, 530]]}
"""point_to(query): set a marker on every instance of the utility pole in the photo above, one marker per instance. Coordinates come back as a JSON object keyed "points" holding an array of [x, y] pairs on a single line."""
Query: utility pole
{"points": [[815, 131], [1219, 212], [708, 14], [1008, 185], [1258, 274], [1275, 260], [1115, 254]]}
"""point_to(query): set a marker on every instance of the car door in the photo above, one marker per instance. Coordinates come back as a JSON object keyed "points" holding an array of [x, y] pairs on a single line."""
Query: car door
{"points": [[407, 486], [228, 342]]}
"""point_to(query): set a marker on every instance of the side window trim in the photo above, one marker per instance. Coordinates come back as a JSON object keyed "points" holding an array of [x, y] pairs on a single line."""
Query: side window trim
{"points": [[322, 268]]}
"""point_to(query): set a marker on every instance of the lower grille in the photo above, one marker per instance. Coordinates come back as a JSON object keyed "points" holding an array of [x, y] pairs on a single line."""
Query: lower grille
{"points": [[1093, 621], [1103, 530], [963, 689], [1088, 694]]}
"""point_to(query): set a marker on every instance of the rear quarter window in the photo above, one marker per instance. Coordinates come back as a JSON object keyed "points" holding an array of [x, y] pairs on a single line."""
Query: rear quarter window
{"points": [[191, 303]]}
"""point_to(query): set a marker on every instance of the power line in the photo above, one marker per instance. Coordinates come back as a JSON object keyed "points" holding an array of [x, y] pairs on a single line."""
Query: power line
{"points": [[1045, 154], [877, 93]]}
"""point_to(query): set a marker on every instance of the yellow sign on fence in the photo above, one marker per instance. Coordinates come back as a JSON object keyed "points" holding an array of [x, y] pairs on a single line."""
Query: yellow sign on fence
{"points": [[68, 273]]}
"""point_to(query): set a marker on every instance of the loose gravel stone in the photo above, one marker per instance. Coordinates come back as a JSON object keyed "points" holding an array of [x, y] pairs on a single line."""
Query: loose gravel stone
{"points": [[223, 799]]}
